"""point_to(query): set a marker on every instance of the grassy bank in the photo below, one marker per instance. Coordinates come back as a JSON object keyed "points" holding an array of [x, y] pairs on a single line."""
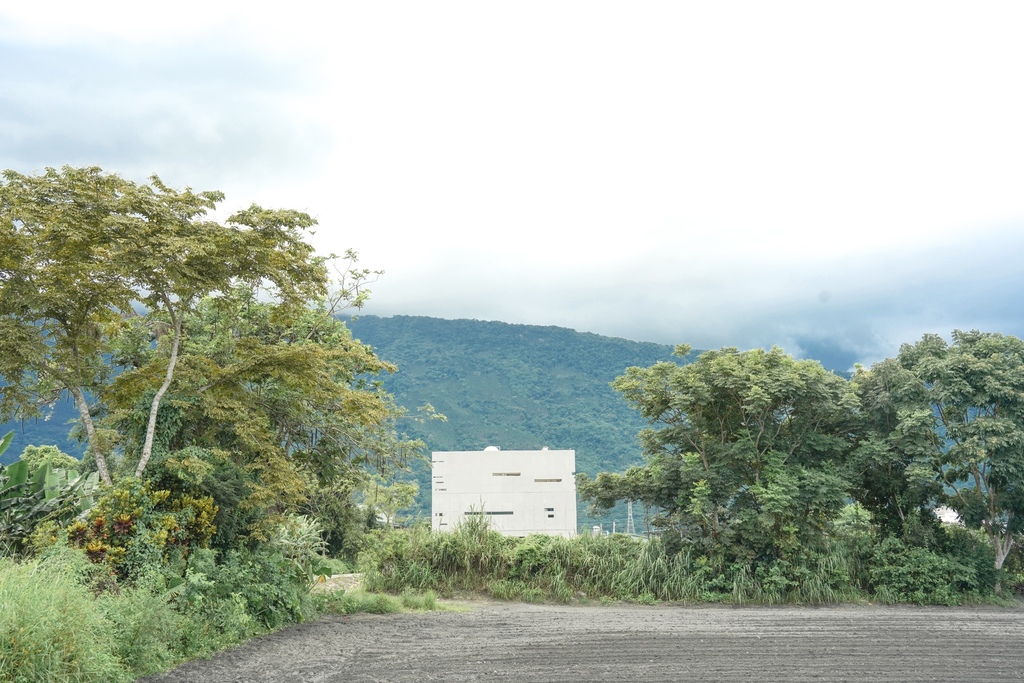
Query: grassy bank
{"points": [[855, 567], [62, 619]]}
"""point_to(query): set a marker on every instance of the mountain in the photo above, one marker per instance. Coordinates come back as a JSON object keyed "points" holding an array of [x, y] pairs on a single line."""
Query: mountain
{"points": [[51, 431], [513, 386], [499, 384]]}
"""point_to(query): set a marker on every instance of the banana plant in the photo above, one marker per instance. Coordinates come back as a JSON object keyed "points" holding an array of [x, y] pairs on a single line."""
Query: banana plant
{"points": [[50, 494]]}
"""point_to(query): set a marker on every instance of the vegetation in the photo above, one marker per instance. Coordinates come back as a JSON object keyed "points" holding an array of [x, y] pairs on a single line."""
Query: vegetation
{"points": [[237, 434], [853, 564], [221, 401], [513, 386], [774, 480]]}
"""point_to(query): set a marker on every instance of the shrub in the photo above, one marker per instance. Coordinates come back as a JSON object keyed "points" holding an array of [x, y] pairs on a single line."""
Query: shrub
{"points": [[147, 630], [918, 575], [341, 602], [135, 529]]}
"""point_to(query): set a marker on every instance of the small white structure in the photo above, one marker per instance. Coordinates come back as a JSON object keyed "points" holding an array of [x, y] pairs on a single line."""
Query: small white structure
{"points": [[948, 515], [520, 492]]}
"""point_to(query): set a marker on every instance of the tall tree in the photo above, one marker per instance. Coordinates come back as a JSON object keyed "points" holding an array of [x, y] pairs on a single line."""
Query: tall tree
{"points": [[80, 249], [891, 469], [969, 396], [61, 297], [743, 452], [292, 401], [178, 259]]}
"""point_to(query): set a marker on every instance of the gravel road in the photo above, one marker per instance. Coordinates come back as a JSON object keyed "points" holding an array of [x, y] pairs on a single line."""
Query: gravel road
{"points": [[536, 643]]}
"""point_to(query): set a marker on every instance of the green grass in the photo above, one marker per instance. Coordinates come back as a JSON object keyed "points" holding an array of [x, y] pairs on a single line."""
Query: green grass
{"points": [[476, 559], [363, 602], [51, 628]]}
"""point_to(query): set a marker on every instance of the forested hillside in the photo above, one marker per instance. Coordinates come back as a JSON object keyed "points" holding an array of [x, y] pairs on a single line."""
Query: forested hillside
{"points": [[513, 386]]}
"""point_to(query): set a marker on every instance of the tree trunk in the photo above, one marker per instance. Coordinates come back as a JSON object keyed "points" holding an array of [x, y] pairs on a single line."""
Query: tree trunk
{"points": [[1001, 544], [90, 433], [147, 447]]}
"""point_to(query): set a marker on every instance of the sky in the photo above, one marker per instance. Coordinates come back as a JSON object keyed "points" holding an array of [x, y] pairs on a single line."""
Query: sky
{"points": [[833, 178]]}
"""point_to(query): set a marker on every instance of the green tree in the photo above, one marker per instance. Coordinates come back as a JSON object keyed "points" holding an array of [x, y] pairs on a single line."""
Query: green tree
{"points": [[968, 402], [292, 402], [891, 469], [81, 249], [743, 452], [38, 457], [60, 296], [390, 499]]}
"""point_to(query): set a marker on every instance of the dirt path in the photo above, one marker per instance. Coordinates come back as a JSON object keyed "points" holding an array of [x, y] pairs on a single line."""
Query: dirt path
{"points": [[536, 643]]}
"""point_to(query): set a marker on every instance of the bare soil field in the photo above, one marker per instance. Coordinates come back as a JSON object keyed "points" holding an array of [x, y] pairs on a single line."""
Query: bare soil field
{"points": [[536, 643]]}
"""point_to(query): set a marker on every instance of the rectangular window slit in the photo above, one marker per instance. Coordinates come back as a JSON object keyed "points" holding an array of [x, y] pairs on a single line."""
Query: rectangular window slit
{"points": [[506, 474], [547, 481]]}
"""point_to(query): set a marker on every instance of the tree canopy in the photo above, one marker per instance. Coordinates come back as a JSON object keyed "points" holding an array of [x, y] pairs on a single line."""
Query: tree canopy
{"points": [[965, 403], [743, 451], [82, 251], [211, 349]]}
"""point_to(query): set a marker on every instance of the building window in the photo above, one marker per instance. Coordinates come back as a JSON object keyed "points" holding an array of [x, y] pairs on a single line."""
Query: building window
{"points": [[506, 474], [500, 512], [549, 509], [547, 481]]}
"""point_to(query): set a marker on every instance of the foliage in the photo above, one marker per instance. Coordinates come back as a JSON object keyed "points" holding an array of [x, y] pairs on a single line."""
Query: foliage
{"points": [[742, 453], [389, 499], [891, 469], [38, 457], [289, 405], [135, 530], [298, 540], [196, 472], [617, 567], [217, 391], [50, 629], [908, 574], [63, 619], [343, 602], [247, 590], [146, 629], [963, 408], [342, 519], [48, 495], [82, 248]]}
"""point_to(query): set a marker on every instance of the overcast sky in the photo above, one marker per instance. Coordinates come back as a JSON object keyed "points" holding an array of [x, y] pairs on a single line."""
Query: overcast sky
{"points": [[834, 178]]}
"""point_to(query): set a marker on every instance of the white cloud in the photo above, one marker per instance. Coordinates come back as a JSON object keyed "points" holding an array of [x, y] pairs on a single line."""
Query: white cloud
{"points": [[721, 173]]}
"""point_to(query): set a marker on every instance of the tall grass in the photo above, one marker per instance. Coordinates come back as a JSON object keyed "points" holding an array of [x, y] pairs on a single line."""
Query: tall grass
{"points": [[51, 630], [474, 557]]}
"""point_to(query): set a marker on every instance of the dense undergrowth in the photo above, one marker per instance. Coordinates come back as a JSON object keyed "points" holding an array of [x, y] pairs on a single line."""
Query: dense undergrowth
{"points": [[855, 566], [64, 618]]}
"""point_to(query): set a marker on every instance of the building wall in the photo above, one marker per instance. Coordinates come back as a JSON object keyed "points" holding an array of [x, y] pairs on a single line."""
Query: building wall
{"points": [[520, 492]]}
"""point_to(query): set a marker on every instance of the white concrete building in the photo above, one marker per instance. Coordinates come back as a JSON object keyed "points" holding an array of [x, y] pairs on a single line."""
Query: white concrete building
{"points": [[520, 492]]}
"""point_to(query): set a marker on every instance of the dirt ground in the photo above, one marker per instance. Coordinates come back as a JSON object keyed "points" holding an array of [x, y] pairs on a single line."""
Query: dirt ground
{"points": [[536, 643]]}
